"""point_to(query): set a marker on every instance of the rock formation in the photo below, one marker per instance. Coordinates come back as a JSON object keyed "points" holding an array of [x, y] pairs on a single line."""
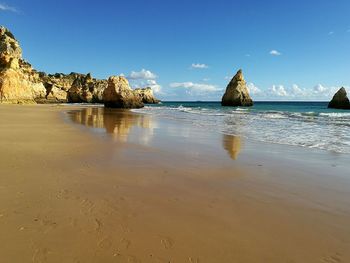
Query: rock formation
{"points": [[237, 92], [20, 83], [340, 100], [73, 88], [118, 94], [147, 96]]}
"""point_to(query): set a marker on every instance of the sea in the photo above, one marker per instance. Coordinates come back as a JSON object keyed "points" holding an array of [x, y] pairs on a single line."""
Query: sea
{"points": [[304, 124]]}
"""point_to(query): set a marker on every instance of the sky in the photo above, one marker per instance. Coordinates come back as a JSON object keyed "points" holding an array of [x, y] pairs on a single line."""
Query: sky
{"points": [[189, 50]]}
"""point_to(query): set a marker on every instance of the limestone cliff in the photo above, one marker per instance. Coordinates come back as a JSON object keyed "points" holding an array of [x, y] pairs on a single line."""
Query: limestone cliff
{"points": [[146, 95], [118, 94], [20, 83], [237, 92]]}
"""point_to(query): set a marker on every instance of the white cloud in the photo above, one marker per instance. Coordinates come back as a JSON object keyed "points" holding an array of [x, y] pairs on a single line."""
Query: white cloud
{"points": [[278, 90], [319, 89], [322, 91], [275, 53], [296, 91], [194, 91], [155, 86], [143, 74], [5, 7], [144, 78], [206, 79], [253, 90], [318, 92], [199, 66], [198, 87]]}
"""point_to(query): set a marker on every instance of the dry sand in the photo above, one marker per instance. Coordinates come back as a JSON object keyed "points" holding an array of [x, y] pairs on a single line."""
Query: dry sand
{"points": [[113, 186]]}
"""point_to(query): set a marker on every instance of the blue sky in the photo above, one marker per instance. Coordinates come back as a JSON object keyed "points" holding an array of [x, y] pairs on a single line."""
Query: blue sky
{"points": [[188, 50]]}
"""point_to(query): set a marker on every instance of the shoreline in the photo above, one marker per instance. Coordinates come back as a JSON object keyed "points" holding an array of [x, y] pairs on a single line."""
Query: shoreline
{"points": [[153, 190], [249, 142]]}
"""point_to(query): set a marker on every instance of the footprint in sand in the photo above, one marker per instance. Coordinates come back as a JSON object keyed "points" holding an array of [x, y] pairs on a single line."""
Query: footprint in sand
{"points": [[87, 206], [125, 229], [127, 258], [125, 243], [40, 255], [98, 225], [63, 194], [167, 242], [132, 259], [336, 258], [105, 243], [193, 260]]}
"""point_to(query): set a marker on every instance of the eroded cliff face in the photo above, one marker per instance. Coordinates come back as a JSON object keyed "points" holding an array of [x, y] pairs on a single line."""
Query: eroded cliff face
{"points": [[118, 94], [146, 95], [20, 83], [237, 93]]}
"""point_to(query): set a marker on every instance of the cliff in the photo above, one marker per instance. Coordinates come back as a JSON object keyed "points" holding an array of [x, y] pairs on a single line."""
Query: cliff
{"points": [[20, 83], [147, 96]]}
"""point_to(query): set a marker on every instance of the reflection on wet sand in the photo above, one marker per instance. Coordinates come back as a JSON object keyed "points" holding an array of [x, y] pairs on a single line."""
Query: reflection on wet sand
{"points": [[232, 144], [124, 126], [113, 121]]}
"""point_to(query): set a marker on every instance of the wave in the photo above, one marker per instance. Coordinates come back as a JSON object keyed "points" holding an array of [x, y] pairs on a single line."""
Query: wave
{"points": [[310, 128], [336, 114]]}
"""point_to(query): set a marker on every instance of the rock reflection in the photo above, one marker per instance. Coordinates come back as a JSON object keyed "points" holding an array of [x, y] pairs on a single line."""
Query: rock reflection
{"points": [[232, 145], [118, 123]]}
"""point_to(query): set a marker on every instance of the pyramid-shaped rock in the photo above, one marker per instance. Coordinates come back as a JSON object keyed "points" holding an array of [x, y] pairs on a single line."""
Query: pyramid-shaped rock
{"points": [[237, 93], [340, 100]]}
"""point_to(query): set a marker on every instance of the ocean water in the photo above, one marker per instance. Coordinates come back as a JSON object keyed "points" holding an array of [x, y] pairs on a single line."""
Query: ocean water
{"points": [[304, 124]]}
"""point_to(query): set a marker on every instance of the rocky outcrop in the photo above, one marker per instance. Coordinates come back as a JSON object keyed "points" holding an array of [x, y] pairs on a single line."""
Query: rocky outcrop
{"points": [[237, 92], [10, 51], [146, 95], [81, 89], [118, 94], [20, 83], [340, 100], [73, 88]]}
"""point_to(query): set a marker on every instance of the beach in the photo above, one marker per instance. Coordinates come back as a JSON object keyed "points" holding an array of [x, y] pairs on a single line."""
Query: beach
{"points": [[87, 184]]}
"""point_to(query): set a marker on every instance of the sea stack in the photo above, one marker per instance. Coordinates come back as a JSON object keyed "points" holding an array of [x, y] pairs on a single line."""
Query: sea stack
{"points": [[237, 92], [118, 94], [340, 100]]}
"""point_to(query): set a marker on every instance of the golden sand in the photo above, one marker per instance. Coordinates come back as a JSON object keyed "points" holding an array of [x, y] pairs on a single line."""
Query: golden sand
{"points": [[140, 189]]}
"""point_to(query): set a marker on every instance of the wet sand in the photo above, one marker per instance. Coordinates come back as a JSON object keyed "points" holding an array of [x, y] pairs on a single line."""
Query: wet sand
{"points": [[84, 184]]}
